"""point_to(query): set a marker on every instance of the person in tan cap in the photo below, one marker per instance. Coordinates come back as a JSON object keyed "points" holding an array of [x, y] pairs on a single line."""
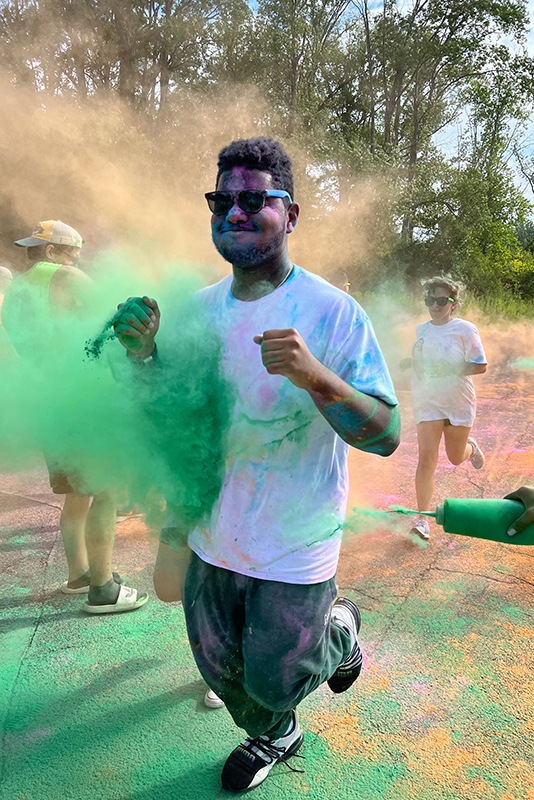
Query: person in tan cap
{"points": [[52, 283]]}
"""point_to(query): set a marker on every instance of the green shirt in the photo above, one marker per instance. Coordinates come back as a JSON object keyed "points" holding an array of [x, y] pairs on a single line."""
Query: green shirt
{"points": [[26, 310]]}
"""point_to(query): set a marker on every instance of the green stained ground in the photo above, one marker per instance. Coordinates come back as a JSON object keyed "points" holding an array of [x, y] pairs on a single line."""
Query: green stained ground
{"points": [[111, 708]]}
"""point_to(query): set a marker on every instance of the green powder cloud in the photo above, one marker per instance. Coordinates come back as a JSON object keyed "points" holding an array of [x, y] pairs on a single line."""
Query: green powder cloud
{"points": [[154, 432]]}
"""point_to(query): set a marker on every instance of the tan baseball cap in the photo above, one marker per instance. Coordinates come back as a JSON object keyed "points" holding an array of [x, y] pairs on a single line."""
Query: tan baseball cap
{"points": [[53, 231]]}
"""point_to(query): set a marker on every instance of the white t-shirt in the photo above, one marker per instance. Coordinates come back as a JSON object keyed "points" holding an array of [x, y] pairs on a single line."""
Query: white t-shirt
{"points": [[281, 508], [439, 389]]}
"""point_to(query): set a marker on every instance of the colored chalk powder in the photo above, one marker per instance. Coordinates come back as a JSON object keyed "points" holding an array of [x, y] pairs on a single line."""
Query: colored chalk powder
{"points": [[408, 511], [155, 435], [93, 347], [523, 363]]}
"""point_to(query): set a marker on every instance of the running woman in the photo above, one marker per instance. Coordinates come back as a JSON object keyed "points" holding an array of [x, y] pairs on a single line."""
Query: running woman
{"points": [[446, 353]]}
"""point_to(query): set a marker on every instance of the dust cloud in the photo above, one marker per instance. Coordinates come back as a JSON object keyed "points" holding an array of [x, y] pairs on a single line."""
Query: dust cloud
{"points": [[133, 186], [131, 183]]}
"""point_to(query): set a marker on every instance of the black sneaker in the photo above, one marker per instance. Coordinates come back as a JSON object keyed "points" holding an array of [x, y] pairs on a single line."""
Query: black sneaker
{"points": [[250, 763], [346, 614]]}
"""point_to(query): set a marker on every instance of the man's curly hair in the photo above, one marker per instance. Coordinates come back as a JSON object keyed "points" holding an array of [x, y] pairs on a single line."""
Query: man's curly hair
{"points": [[261, 153]]}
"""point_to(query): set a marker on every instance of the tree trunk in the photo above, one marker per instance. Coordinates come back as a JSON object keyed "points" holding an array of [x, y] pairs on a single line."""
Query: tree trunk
{"points": [[407, 222], [164, 62], [371, 77], [125, 53]]}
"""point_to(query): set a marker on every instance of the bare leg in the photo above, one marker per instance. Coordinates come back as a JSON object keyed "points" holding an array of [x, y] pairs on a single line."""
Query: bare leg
{"points": [[428, 439], [105, 592], [100, 537], [72, 526], [456, 445]]}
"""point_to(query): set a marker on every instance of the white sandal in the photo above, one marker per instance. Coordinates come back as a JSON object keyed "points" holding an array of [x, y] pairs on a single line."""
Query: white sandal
{"points": [[128, 600]]}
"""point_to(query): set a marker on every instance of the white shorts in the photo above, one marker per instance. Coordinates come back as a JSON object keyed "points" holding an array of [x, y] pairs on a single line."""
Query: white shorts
{"points": [[463, 414]]}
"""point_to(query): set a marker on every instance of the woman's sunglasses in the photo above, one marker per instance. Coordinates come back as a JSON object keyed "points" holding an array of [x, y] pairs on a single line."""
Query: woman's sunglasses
{"points": [[249, 200], [440, 301]]}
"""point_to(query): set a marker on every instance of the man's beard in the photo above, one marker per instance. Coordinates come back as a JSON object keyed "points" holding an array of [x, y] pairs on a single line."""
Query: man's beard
{"points": [[250, 255]]}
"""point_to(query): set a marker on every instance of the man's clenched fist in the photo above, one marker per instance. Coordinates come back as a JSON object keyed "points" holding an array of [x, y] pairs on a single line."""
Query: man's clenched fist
{"points": [[284, 352]]}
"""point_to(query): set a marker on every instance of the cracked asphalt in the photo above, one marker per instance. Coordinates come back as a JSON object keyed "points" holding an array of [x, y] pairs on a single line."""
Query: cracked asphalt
{"points": [[111, 708]]}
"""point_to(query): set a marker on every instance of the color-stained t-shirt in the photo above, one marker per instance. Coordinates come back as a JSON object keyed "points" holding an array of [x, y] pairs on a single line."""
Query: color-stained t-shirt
{"points": [[440, 390], [280, 511]]}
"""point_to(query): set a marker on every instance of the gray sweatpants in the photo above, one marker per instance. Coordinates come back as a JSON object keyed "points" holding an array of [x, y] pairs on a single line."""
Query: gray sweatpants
{"points": [[262, 646]]}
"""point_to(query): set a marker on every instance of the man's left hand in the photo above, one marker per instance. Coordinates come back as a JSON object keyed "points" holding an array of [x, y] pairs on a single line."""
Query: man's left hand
{"points": [[284, 352]]}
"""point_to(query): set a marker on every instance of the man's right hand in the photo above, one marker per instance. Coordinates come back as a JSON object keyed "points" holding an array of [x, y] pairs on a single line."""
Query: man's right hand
{"points": [[526, 495], [137, 324]]}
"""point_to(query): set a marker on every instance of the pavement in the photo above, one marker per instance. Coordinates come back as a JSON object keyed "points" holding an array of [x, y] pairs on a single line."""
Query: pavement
{"points": [[112, 708]]}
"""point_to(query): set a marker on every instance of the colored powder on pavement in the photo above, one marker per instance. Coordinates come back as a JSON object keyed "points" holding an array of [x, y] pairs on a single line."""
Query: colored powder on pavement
{"points": [[437, 700]]}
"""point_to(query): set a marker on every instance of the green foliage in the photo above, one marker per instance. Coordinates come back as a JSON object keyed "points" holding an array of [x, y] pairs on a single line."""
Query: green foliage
{"points": [[363, 91], [504, 270], [505, 306]]}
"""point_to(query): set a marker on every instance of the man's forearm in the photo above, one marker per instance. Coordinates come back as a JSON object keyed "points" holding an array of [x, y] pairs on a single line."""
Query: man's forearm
{"points": [[363, 421], [472, 368], [169, 571]]}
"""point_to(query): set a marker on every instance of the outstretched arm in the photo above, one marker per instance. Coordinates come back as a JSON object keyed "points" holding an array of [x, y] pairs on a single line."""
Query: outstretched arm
{"points": [[361, 420]]}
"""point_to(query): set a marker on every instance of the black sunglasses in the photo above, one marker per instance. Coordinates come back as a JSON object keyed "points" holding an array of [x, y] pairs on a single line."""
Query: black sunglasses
{"points": [[249, 200], [440, 301]]}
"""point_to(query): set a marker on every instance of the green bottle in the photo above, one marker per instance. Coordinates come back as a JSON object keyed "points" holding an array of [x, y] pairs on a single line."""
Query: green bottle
{"points": [[483, 519]]}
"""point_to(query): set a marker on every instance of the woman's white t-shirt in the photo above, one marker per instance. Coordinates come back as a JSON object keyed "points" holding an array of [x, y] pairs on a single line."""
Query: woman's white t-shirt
{"points": [[440, 390]]}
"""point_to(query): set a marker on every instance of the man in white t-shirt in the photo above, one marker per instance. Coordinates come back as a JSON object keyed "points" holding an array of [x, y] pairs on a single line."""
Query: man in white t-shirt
{"points": [[307, 379]]}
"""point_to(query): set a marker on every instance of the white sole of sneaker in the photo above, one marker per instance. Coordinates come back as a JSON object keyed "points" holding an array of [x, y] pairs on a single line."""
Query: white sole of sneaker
{"points": [[263, 774], [478, 458], [422, 534], [211, 700], [275, 750]]}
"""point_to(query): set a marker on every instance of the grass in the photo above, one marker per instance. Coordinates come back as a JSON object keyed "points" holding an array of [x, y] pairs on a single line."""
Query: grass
{"points": [[506, 307]]}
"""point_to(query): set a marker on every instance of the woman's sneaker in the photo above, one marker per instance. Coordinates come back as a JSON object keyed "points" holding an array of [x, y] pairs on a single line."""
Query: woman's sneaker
{"points": [[477, 456], [250, 763], [212, 700], [421, 528], [346, 614]]}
